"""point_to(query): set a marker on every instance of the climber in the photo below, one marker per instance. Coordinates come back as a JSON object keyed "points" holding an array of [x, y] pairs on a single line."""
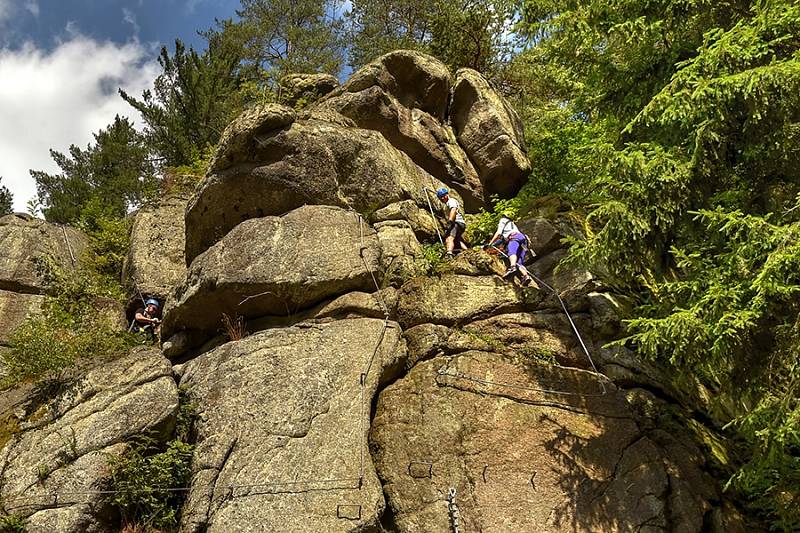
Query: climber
{"points": [[517, 248], [146, 321], [455, 223]]}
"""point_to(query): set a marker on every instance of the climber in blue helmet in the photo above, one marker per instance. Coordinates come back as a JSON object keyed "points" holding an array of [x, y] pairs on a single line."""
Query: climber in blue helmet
{"points": [[455, 222], [146, 322]]}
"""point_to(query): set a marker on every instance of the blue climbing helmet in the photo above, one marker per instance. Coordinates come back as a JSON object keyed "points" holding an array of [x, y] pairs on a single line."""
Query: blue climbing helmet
{"points": [[152, 301], [442, 192]]}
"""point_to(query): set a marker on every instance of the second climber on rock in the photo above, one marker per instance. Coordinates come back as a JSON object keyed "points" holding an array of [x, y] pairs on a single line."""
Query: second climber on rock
{"points": [[455, 223]]}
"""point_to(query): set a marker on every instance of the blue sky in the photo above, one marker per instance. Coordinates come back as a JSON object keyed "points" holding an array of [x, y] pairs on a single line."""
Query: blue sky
{"points": [[45, 22], [61, 62]]}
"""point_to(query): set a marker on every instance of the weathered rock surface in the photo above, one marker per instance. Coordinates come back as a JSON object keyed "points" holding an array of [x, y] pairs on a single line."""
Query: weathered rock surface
{"points": [[521, 460], [401, 253], [270, 169], [155, 263], [306, 88], [282, 433], [457, 299], [490, 132], [276, 266], [14, 308], [404, 95], [23, 239], [423, 225], [63, 446]]}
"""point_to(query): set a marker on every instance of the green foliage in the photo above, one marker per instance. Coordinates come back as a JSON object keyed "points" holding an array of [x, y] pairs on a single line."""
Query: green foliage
{"points": [[143, 475], [12, 523], [432, 260], [115, 171], [675, 125], [465, 33], [192, 101], [482, 226], [109, 240], [6, 199], [68, 329], [286, 36]]}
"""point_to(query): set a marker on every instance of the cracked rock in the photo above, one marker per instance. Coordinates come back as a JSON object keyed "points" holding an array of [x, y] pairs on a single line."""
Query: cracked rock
{"points": [[282, 428]]}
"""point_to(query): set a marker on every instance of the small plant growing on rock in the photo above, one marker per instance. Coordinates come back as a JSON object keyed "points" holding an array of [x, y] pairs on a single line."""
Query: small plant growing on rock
{"points": [[234, 327], [12, 523]]}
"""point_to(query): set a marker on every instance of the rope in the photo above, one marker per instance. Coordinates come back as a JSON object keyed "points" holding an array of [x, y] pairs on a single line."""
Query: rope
{"points": [[69, 246], [598, 375], [435, 223]]}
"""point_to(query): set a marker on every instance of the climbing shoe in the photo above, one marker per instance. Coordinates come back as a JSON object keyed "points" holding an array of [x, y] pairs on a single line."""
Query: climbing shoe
{"points": [[526, 281], [510, 272], [448, 256]]}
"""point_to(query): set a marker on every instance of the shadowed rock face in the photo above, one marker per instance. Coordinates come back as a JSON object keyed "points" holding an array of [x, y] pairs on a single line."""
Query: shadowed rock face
{"points": [[155, 263], [521, 460], [491, 134], [63, 446], [23, 239], [284, 418]]}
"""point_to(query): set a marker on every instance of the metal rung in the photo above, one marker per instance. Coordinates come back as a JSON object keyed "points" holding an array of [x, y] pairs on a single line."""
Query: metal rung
{"points": [[420, 469], [348, 511]]}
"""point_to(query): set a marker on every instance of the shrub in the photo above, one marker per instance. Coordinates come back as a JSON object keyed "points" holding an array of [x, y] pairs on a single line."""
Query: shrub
{"points": [[12, 523]]}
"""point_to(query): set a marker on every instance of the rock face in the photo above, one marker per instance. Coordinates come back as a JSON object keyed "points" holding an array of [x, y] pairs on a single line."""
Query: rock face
{"points": [[63, 446], [375, 141], [309, 162], [490, 132], [23, 239], [276, 266], [521, 460], [404, 95], [14, 308], [306, 88], [156, 262], [282, 436]]}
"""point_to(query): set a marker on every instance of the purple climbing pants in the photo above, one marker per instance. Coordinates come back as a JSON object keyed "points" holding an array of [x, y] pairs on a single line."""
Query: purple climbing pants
{"points": [[517, 245]]}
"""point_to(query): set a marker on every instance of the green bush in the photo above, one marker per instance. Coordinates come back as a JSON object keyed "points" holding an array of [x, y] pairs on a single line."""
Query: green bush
{"points": [[68, 329], [143, 475], [12, 523]]}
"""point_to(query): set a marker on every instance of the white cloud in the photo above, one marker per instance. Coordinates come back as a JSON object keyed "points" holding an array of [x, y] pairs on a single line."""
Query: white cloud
{"points": [[5, 10], [51, 99], [130, 18], [32, 6]]}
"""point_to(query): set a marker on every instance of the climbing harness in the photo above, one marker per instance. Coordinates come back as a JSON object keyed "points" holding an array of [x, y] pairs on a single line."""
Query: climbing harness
{"points": [[452, 510], [459, 375], [433, 216]]}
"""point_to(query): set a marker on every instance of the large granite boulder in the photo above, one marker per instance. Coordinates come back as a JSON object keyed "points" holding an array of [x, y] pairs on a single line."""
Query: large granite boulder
{"points": [[404, 95], [155, 263], [520, 459], [62, 447], [282, 430], [267, 165], [15, 307], [24, 238], [459, 299], [276, 266], [490, 132]]}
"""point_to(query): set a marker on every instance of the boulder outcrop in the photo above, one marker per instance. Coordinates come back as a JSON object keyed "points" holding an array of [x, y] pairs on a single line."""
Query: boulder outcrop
{"points": [[523, 460], [23, 239], [405, 95], [282, 431], [267, 172], [62, 446], [276, 266], [156, 263], [490, 132]]}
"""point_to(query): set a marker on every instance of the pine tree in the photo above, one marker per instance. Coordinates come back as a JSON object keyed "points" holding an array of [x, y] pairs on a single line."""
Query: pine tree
{"points": [[6, 199]]}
